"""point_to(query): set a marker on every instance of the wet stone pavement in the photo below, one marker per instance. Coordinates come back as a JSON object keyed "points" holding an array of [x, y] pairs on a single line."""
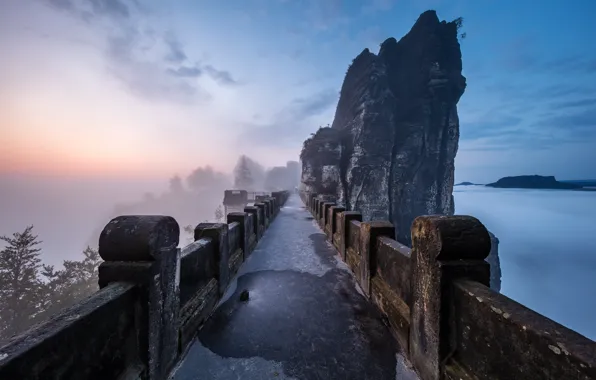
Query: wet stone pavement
{"points": [[305, 318]]}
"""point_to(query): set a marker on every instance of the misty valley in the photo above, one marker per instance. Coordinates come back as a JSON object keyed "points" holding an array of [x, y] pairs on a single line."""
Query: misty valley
{"points": [[297, 190]]}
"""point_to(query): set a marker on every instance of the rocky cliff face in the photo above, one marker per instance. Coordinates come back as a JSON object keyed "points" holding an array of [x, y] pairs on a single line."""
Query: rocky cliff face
{"points": [[495, 263], [397, 128]]}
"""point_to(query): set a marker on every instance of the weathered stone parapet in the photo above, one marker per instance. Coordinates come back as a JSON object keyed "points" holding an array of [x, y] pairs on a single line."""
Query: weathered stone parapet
{"points": [[497, 338], [198, 287], [244, 230], [311, 199], [263, 222], [128, 243], [138, 237], [130, 326], [101, 337], [391, 289], [333, 218], [218, 233], [344, 222], [324, 214], [369, 233], [254, 211], [436, 300], [153, 298], [269, 207], [444, 249]]}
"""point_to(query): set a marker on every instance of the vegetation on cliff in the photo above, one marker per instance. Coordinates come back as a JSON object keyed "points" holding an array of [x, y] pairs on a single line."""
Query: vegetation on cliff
{"points": [[31, 291]]}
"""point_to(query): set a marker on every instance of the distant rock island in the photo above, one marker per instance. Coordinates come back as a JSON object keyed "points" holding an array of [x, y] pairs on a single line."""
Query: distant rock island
{"points": [[533, 182], [466, 184]]}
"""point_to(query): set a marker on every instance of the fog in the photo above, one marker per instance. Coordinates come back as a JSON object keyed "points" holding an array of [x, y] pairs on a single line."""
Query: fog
{"points": [[68, 213], [547, 248]]}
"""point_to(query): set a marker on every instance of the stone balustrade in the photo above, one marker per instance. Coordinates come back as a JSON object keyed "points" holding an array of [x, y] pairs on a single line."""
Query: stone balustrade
{"points": [[437, 301], [153, 299]]}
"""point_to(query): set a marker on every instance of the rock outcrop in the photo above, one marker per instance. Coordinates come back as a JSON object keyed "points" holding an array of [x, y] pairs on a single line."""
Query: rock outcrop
{"points": [[396, 129], [320, 158], [533, 182], [495, 263]]}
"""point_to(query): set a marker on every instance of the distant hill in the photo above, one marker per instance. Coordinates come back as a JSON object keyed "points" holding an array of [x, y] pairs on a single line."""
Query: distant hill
{"points": [[533, 182], [582, 182]]}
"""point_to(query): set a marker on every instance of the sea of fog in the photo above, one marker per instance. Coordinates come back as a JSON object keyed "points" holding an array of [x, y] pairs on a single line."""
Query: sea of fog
{"points": [[547, 237], [547, 248], [65, 212]]}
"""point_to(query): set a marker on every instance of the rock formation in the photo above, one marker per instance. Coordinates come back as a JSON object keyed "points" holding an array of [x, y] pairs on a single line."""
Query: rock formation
{"points": [[533, 182], [391, 148], [320, 162], [495, 263]]}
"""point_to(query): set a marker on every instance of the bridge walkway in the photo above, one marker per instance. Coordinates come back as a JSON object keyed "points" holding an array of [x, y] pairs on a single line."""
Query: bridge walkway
{"points": [[305, 318]]}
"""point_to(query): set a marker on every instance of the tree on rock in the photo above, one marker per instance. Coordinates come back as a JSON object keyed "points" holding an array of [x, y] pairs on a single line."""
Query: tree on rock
{"points": [[19, 282]]}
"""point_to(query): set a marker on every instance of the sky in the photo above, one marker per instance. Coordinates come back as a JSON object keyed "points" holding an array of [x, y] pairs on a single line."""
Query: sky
{"points": [[137, 88]]}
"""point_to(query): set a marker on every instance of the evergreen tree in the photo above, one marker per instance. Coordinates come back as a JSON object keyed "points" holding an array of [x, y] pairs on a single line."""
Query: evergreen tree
{"points": [[243, 178], [20, 295], [190, 231], [63, 288], [176, 186], [219, 214]]}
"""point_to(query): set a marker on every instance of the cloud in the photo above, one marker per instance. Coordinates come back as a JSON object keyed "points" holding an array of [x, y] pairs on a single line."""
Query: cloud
{"points": [[521, 55], [111, 8], [493, 123], [186, 72], [220, 76], [151, 64], [293, 123], [175, 52], [574, 121], [373, 6], [574, 103]]}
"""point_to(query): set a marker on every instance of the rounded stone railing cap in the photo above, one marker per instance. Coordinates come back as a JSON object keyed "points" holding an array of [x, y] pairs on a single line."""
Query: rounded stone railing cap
{"points": [[138, 237], [458, 237]]}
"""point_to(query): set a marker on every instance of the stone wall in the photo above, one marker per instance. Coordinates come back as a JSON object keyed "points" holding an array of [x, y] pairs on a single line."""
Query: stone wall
{"points": [[152, 301], [437, 300]]}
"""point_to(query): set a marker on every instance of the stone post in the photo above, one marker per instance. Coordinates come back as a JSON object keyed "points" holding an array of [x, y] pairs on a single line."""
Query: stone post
{"points": [[269, 207], [278, 195], [325, 214], [344, 221], [444, 249], [333, 217], [218, 233], [242, 219], [311, 200], [142, 250], [369, 232], [274, 205], [255, 219], [263, 214]]}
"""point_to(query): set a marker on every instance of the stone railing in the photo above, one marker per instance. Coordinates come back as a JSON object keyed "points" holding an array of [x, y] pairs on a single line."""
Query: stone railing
{"points": [[438, 304], [153, 298]]}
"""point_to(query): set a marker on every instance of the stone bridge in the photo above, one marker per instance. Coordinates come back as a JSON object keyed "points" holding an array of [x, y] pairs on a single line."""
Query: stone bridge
{"points": [[291, 289]]}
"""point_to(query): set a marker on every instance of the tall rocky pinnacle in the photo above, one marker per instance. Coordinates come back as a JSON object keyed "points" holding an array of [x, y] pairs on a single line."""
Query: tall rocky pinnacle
{"points": [[391, 148]]}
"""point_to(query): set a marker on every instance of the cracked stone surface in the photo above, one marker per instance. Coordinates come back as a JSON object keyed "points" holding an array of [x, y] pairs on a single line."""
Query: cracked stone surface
{"points": [[306, 317]]}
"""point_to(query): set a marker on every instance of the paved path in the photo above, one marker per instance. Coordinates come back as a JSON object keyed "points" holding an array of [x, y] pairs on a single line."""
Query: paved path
{"points": [[305, 319]]}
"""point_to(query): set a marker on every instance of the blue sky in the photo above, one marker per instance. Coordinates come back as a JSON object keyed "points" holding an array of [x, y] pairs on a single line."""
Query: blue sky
{"points": [[174, 85]]}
